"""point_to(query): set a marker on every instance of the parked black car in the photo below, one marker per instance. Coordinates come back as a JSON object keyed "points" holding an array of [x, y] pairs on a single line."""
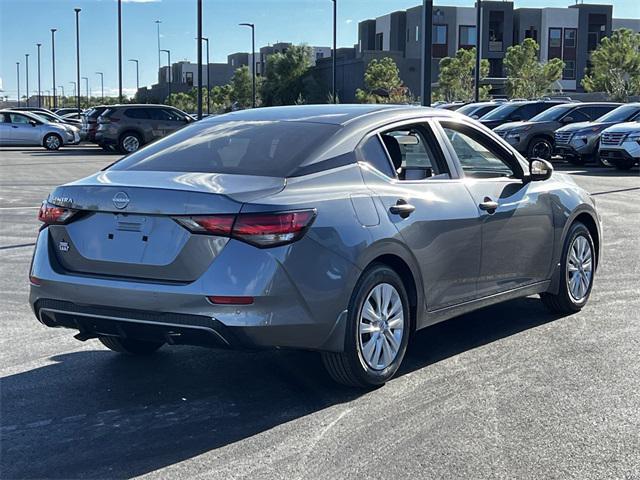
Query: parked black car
{"points": [[479, 109], [517, 111], [128, 127], [535, 138]]}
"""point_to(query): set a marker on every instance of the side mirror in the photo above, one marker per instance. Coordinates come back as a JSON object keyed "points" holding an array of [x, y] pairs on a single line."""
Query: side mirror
{"points": [[33, 123], [539, 170], [416, 173], [568, 120]]}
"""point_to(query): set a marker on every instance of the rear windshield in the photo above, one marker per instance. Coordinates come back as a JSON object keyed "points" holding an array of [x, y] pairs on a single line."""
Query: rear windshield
{"points": [[265, 148]]}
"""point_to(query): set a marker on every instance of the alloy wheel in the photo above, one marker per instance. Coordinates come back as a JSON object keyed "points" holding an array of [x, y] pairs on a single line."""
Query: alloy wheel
{"points": [[381, 326], [541, 149], [579, 268], [52, 142], [131, 143]]}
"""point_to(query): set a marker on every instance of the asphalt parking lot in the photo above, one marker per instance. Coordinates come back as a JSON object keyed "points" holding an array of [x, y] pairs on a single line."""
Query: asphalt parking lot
{"points": [[510, 391]]}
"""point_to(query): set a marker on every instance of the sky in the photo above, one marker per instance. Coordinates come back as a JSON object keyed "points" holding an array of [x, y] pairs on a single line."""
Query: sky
{"points": [[24, 23]]}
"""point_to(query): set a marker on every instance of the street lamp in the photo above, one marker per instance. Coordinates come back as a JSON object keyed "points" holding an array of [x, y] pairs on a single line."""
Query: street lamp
{"points": [[75, 89], [158, 22], [333, 59], [53, 65], [137, 74], [26, 56], [61, 87], [86, 84], [18, 75], [253, 59], [120, 51], [48, 97], [208, 78], [199, 15], [170, 76], [39, 90], [101, 86], [478, 49], [427, 41], [77, 10]]}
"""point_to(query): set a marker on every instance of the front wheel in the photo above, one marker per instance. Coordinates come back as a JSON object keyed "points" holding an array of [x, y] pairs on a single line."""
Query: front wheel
{"points": [[130, 345], [129, 143], [577, 270], [52, 141], [540, 147], [377, 333]]}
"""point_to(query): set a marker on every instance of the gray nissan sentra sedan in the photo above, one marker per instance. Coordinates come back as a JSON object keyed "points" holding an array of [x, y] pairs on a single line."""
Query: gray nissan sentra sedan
{"points": [[341, 229]]}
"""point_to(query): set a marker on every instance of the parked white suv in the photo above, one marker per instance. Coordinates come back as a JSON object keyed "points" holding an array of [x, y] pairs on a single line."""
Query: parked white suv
{"points": [[620, 145], [29, 129]]}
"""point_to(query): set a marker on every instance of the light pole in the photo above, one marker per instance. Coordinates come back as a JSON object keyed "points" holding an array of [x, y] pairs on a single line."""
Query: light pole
{"points": [[53, 65], [253, 60], [48, 96], [26, 56], [158, 22], [18, 76], [120, 51], [170, 76], [208, 78], [61, 87], [137, 74], [199, 4], [101, 86], [39, 90], [75, 90], [77, 10], [427, 42], [334, 56], [86, 85], [478, 48]]}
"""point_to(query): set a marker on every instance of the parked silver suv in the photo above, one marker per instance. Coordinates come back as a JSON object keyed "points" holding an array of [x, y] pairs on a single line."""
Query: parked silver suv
{"points": [[620, 145], [128, 127]]}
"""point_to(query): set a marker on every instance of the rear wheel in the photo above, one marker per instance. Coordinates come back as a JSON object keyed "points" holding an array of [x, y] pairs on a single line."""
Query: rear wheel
{"points": [[129, 142], [578, 267], [52, 141], [130, 346], [378, 326]]}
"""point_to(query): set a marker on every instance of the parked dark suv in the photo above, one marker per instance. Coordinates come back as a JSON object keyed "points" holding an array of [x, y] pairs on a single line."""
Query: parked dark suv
{"points": [[90, 122], [128, 127], [535, 138], [517, 111]]}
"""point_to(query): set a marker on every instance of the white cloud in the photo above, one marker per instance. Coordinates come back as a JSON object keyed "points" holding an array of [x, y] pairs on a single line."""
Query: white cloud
{"points": [[349, 21]]}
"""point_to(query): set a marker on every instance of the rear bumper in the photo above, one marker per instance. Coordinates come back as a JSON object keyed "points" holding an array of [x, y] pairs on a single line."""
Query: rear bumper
{"points": [[104, 139]]}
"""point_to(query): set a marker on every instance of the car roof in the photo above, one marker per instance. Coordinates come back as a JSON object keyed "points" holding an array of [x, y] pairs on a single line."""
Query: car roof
{"points": [[341, 114]]}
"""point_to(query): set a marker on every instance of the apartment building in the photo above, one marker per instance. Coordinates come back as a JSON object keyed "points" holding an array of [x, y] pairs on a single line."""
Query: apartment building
{"points": [[570, 34]]}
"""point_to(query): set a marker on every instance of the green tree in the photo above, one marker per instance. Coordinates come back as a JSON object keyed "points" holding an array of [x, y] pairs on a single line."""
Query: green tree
{"points": [[456, 79], [241, 92], [283, 82], [615, 66], [383, 84], [184, 101], [526, 76]]}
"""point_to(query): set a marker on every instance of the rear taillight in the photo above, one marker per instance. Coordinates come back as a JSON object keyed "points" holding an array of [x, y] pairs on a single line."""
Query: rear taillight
{"points": [[260, 229], [53, 215]]}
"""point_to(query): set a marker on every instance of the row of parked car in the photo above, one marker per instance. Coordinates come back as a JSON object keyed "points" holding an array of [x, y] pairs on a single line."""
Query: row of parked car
{"points": [[116, 127], [580, 132]]}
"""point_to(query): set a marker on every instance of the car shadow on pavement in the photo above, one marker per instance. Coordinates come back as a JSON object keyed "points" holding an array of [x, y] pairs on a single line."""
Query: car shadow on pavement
{"points": [[97, 414]]}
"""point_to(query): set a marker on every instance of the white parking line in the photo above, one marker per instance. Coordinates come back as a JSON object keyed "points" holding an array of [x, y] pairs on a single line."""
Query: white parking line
{"points": [[19, 208]]}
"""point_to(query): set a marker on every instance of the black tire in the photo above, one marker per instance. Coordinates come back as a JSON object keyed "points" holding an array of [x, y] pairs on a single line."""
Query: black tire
{"points": [[52, 141], [540, 147], [623, 164], [130, 346], [127, 141], [349, 367], [563, 302]]}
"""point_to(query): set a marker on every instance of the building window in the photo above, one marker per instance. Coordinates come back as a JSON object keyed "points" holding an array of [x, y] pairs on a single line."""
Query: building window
{"points": [[531, 33], [408, 34], [467, 37], [570, 35], [319, 55], [569, 72], [496, 31], [189, 78], [439, 38], [379, 41], [417, 33], [555, 37]]}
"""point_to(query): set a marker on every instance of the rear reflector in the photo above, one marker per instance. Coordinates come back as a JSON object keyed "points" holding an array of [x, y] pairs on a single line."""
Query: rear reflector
{"points": [[260, 229], [52, 214], [34, 280], [222, 300]]}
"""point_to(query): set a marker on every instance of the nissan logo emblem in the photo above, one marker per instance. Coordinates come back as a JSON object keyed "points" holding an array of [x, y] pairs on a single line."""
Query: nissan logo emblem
{"points": [[120, 200]]}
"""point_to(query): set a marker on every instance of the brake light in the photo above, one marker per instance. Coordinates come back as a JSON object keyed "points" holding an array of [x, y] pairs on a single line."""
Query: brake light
{"points": [[51, 214], [259, 229], [226, 300]]}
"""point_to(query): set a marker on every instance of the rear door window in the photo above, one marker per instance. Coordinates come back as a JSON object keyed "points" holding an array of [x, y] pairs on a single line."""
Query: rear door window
{"points": [[138, 113]]}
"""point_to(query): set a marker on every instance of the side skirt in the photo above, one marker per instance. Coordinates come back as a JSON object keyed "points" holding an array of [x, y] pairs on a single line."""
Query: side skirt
{"points": [[440, 315]]}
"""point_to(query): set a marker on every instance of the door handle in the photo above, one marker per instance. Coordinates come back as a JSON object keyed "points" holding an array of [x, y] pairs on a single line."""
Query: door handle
{"points": [[402, 208], [14, 126], [488, 205]]}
